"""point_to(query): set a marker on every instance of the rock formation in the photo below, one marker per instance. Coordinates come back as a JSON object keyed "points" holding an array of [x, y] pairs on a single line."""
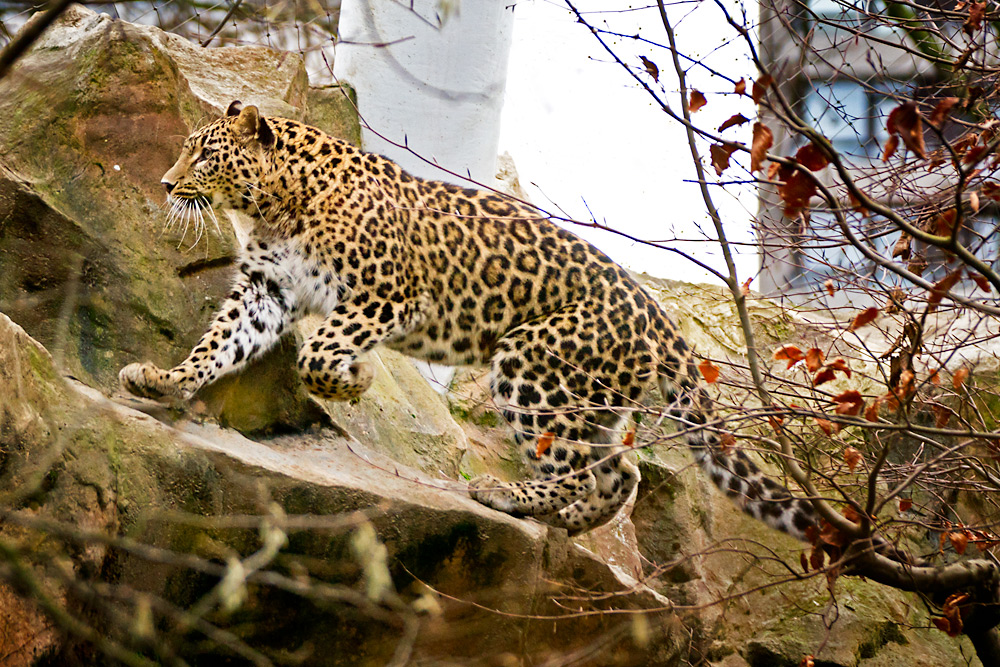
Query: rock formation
{"points": [[303, 533]]}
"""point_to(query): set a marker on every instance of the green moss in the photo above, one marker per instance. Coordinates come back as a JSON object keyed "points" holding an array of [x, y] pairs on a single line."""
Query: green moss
{"points": [[459, 412], [32, 104], [883, 633], [478, 416], [987, 402], [333, 109], [41, 364]]}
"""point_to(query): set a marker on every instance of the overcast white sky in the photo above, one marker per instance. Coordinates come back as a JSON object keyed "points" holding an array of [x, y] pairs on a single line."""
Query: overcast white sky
{"points": [[580, 129]]}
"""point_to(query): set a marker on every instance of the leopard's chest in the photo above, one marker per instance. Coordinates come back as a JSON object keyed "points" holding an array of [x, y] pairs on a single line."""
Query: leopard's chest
{"points": [[316, 286]]}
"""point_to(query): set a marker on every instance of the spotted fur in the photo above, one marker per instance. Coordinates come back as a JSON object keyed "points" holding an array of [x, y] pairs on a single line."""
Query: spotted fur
{"points": [[455, 276]]}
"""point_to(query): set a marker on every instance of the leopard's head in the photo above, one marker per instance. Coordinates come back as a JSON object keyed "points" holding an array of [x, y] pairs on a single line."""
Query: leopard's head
{"points": [[222, 163]]}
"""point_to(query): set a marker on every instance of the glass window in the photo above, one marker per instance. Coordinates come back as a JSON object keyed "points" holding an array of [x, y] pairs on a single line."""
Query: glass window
{"points": [[851, 114], [835, 109], [844, 19]]}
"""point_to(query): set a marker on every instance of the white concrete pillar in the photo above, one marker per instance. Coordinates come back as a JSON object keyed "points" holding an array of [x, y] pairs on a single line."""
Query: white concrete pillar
{"points": [[436, 81]]}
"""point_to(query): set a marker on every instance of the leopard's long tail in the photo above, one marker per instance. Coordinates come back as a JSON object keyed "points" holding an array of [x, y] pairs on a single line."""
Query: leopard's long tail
{"points": [[731, 469]]}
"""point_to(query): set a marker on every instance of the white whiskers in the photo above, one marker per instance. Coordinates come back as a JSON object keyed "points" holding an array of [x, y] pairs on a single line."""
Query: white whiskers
{"points": [[250, 188], [184, 214]]}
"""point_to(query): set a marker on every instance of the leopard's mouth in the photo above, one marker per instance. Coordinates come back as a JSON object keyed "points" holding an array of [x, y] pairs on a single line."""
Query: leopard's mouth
{"points": [[176, 200], [186, 211]]}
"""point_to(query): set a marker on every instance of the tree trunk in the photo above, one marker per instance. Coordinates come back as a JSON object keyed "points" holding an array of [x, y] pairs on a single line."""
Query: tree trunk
{"points": [[987, 645]]}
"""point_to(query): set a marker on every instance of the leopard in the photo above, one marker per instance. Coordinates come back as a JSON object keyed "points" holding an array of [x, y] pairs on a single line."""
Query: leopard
{"points": [[451, 275]]}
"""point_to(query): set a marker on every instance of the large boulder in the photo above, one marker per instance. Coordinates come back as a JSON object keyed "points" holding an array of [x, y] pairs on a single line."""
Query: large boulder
{"points": [[90, 118], [113, 494]]}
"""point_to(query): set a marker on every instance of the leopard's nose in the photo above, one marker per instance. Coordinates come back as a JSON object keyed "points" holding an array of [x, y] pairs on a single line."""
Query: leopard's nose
{"points": [[168, 185]]}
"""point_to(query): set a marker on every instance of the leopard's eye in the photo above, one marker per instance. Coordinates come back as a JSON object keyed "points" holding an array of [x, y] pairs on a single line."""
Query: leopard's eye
{"points": [[206, 153]]}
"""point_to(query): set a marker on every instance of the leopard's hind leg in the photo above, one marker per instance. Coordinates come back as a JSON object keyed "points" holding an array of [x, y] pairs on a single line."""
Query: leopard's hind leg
{"points": [[581, 479]]}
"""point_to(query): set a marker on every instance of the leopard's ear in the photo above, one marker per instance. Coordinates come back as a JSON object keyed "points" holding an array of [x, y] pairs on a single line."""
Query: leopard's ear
{"points": [[251, 125], [234, 108]]}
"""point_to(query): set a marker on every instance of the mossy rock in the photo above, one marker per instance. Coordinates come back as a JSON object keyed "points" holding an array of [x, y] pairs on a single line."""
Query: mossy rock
{"points": [[185, 491], [90, 118]]}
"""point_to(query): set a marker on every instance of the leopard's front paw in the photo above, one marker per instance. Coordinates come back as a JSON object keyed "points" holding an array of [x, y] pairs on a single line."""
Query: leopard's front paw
{"points": [[345, 385], [148, 381], [491, 492], [362, 376]]}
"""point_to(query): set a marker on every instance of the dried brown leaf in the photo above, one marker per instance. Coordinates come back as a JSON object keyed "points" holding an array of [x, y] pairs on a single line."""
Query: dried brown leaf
{"points": [[959, 541], [811, 157], [852, 457], [975, 153], [942, 415], [708, 371], [697, 101], [827, 426], [904, 386], [974, 22], [983, 540], [763, 139], [720, 156], [866, 316], [905, 121], [760, 87], [978, 278], [790, 353], [824, 376], [840, 364], [849, 512], [941, 288], [891, 144], [945, 222], [951, 614], [544, 442], [961, 61], [733, 121], [814, 359], [917, 264], [796, 190], [895, 303], [651, 68], [773, 171], [832, 536], [849, 403], [817, 558], [942, 111], [902, 247], [871, 414]]}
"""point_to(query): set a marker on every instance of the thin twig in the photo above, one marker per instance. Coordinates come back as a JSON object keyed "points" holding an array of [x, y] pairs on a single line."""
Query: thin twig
{"points": [[29, 34]]}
